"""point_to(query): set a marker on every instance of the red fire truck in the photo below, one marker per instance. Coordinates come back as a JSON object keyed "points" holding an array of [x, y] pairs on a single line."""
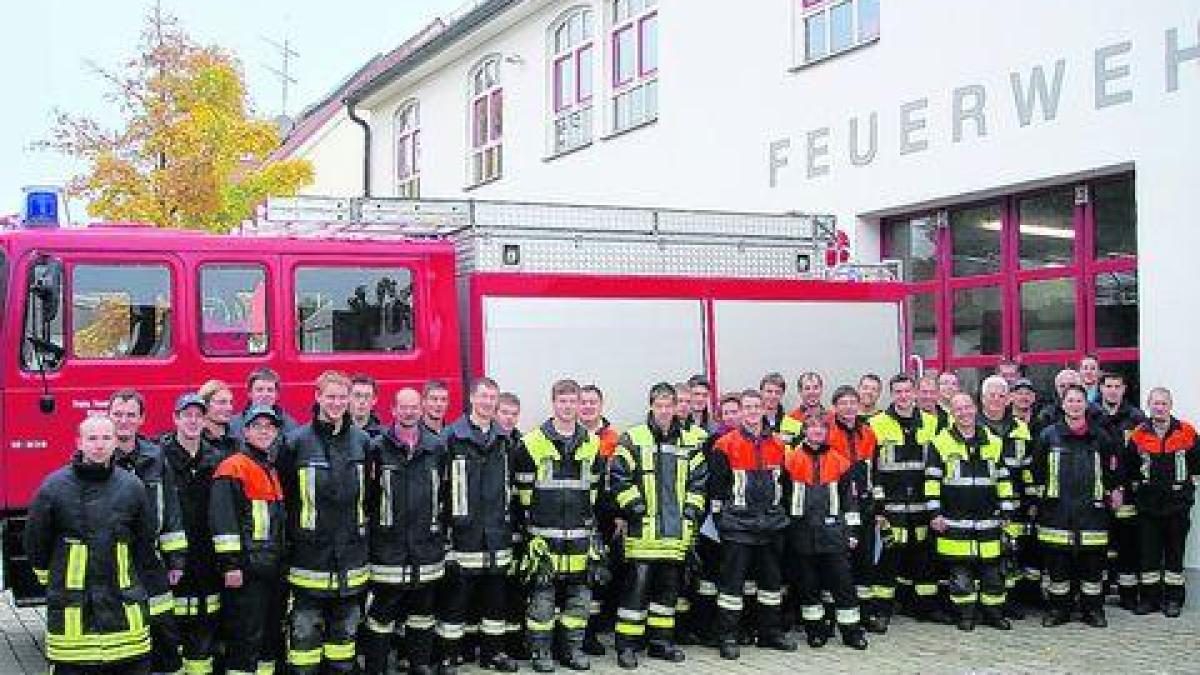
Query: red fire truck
{"points": [[409, 291]]}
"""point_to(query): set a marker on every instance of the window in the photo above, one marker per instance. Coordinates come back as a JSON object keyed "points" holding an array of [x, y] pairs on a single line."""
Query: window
{"points": [[572, 48], [914, 241], [354, 309], [408, 150], [634, 44], [824, 28], [233, 310], [120, 311], [42, 342], [485, 162]]}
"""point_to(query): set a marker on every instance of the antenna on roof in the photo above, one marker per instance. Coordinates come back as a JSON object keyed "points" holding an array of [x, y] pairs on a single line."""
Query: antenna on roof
{"points": [[284, 72]]}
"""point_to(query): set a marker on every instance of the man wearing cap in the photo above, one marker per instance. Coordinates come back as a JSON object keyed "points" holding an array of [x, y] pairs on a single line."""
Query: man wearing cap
{"points": [[192, 461], [324, 474], [1023, 399], [248, 518]]}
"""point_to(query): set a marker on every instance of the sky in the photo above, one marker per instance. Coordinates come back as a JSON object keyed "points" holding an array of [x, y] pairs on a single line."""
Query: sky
{"points": [[45, 45]]}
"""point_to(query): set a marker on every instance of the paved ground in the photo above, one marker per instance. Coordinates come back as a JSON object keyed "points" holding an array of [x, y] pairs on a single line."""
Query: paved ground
{"points": [[1131, 644]]}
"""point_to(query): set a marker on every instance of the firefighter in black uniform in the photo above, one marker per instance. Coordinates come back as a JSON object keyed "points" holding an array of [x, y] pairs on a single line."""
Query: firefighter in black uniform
{"points": [[744, 491], [557, 474], [970, 498], [820, 496], [1165, 458], [659, 479], [903, 434], [478, 505], [1120, 419], [192, 461], [222, 427], [408, 542], [90, 538], [248, 521], [364, 393], [138, 455], [323, 470], [1074, 472]]}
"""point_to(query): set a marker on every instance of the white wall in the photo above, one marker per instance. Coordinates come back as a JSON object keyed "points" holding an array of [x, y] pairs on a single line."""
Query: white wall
{"points": [[336, 155], [726, 93]]}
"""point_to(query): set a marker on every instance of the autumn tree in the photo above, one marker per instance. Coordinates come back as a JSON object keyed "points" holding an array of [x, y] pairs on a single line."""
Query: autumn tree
{"points": [[191, 153]]}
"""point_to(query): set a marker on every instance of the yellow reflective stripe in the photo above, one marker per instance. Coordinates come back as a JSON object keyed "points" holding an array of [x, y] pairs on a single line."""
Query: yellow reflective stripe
{"points": [[43, 576], [660, 621], [304, 657], [170, 542], [73, 622], [1004, 489], [135, 617], [571, 622], [1052, 476], [77, 556], [625, 497], [631, 629], [97, 648], [933, 488], [161, 604], [260, 518], [339, 651], [649, 482], [695, 499], [227, 543], [1098, 486], [682, 469], [308, 514]]}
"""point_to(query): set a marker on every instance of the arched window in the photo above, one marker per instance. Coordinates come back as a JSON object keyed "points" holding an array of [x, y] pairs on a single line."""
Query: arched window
{"points": [[571, 49], [485, 161], [633, 31], [407, 129]]}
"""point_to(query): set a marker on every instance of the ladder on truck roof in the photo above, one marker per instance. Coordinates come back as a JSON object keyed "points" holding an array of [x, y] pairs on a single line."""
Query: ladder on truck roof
{"points": [[503, 236]]}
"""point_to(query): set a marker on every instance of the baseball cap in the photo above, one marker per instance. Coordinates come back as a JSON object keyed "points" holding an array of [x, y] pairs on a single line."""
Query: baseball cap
{"points": [[190, 399], [1023, 383], [261, 411]]}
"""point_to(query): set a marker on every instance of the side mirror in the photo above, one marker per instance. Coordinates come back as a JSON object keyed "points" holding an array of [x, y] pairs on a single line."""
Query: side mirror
{"points": [[46, 286]]}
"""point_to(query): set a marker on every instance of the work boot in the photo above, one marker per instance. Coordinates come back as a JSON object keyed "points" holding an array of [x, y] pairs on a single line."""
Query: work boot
{"points": [[592, 646], [499, 662], [575, 659], [1095, 618], [854, 637], [777, 640], [543, 661], [816, 634], [966, 623], [730, 650], [627, 658], [1172, 609], [876, 623], [665, 651], [1055, 617]]}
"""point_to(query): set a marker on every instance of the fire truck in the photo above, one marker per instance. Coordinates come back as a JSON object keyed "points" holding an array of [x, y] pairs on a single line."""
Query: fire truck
{"points": [[409, 291]]}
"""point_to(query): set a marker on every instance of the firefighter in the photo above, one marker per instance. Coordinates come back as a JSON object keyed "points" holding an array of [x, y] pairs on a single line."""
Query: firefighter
{"points": [[508, 416], [772, 386], [850, 436], [222, 428], [659, 478], [1022, 399], [1166, 467], [192, 461], [707, 550], [743, 487], [700, 395], [812, 391], [1073, 470], [323, 470], [558, 476], [970, 497], [1017, 451], [1120, 419], [435, 400], [364, 394], [1051, 411], [904, 435], [820, 496], [248, 519], [262, 390], [948, 385], [1089, 377], [1010, 371], [408, 545], [480, 519], [138, 455], [927, 399], [612, 526], [91, 538], [870, 386]]}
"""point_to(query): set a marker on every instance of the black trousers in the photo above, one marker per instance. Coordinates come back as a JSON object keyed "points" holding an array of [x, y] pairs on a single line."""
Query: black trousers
{"points": [[197, 642], [648, 603], [1125, 566], [905, 565], [566, 598], [164, 644], [389, 605], [813, 573], [703, 589], [737, 560], [1082, 566], [253, 623], [138, 666], [975, 586], [862, 564], [475, 593], [1163, 539], [322, 628]]}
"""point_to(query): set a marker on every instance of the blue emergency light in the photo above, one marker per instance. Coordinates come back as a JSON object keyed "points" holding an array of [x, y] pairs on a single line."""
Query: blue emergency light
{"points": [[41, 207]]}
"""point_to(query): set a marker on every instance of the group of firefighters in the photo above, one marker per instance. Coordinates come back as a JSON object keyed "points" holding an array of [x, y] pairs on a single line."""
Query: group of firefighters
{"points": [[239, 540]]}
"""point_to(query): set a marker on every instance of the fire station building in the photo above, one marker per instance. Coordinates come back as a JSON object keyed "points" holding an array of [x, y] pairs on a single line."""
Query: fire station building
{"points": [[1031, 165]]}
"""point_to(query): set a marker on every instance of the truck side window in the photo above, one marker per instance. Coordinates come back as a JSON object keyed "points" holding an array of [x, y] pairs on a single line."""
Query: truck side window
{"points": [[120, 311], [233, 310], [42, 327], [354, 309]]}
